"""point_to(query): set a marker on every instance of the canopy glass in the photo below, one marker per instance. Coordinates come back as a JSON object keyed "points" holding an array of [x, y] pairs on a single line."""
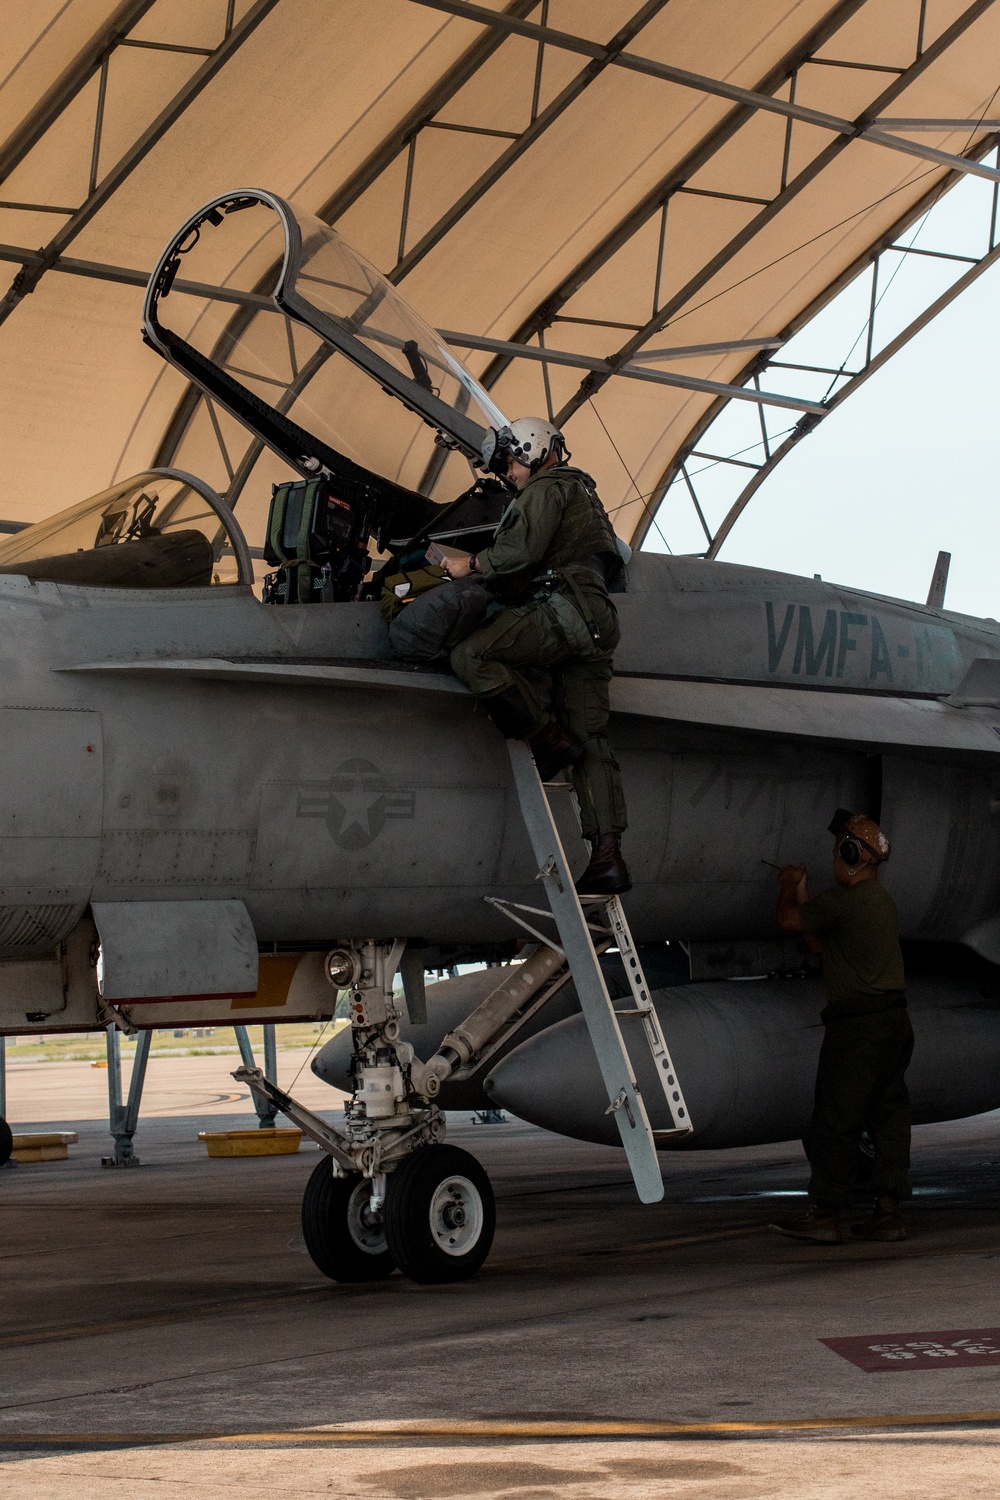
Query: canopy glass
{"points": [[252, 298], [159, 529]]}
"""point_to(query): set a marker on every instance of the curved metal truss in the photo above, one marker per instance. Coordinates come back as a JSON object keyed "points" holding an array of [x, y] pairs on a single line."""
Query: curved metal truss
{"points": [[104, 178], [639, 356], [880, 266]]}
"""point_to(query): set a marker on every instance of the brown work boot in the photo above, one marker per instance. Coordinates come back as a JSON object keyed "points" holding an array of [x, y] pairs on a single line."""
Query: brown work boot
{"points": [[554, 748], [607, 874], [820, 1225], [886, 1223]]}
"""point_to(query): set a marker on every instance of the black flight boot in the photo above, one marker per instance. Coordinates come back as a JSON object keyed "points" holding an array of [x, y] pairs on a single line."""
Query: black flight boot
{"points": [[554, 748], [607, 874]]}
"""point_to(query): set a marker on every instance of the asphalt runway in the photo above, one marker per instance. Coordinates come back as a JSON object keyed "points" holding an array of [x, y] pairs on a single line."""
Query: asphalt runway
{"points": [[165, 1334]]}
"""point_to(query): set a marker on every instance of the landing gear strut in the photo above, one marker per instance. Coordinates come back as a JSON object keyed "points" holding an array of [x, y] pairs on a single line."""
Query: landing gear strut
{"points": [[393, 1193]]}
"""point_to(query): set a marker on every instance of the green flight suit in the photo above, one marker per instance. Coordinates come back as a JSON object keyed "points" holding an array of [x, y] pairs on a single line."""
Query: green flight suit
{"points": [[867, 1046], [547, 564]]}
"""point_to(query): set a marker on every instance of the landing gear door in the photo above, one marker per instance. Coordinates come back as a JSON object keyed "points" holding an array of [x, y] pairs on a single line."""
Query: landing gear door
{"points": [[175, 950]]}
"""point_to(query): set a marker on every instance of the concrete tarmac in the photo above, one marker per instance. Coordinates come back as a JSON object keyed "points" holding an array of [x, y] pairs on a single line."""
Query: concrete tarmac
{"points": [[165, 1334]]}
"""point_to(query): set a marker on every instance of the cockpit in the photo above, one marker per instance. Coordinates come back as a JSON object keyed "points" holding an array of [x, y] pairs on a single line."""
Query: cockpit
{"points": [[282, 324], [289, 345]]}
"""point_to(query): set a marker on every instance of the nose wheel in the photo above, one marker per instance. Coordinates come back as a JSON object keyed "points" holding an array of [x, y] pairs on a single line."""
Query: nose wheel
{"points": [[346, 1240], [439, 1215]]}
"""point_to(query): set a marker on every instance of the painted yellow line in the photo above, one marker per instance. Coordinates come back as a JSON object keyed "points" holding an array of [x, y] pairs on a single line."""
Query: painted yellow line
{"points": [[494, 1430]]}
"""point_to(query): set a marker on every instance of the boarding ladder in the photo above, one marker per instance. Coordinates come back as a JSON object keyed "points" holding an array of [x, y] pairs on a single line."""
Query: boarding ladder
{"points": [[579, 921]]}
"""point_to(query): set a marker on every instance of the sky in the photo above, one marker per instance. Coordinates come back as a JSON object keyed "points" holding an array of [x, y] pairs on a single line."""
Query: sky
{"points": [[910, 464]]}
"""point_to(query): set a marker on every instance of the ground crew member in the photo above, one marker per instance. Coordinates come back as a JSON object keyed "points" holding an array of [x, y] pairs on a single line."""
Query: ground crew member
{"points": [[868, 1042], [554, 555]]}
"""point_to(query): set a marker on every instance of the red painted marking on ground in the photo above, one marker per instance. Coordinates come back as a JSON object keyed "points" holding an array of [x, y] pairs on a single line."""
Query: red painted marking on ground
{"points": [[956, 1349]]}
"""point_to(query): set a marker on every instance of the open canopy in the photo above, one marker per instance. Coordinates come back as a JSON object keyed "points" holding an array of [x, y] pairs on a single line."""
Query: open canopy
{"points": [[298, 294]]}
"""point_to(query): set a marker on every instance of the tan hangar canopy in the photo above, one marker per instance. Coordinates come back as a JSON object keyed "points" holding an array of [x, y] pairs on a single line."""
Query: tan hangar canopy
{"points": [[617, 212]]}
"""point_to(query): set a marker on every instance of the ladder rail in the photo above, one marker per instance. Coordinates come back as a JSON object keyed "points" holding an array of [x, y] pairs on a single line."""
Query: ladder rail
{"points": [[624, 1096], [657, 1042]]}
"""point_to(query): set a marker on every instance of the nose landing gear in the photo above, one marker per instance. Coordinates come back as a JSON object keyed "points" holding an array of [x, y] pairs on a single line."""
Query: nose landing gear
{"points": [[390, 1193]]}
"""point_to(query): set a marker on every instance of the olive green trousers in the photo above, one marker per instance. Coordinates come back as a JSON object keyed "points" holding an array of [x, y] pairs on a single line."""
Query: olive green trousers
{"points": [[531, 635], [861, 1085]]}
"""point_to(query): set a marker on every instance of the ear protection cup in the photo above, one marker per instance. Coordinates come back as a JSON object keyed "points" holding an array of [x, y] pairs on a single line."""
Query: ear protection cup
{"points": [[850, 852]]}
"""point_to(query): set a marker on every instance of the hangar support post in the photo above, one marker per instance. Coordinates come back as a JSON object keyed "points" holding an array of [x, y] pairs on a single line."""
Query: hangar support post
{"points": [[267, 1110], [124, 1117]]}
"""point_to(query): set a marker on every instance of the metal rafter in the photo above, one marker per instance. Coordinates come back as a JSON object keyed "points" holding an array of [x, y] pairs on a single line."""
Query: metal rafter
{"points": [[637, 370], [403, 138], [700, 82], [400, 139], [853, 381], [871, 258], [487, 45], [657, 199], [420, 116], [666, 72], [820, 162], [527, 138], [65, 89], [31, 273]]}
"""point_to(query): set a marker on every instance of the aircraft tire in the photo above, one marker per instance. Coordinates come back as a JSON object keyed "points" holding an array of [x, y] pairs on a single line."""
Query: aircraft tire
{"points": [[6, 1142], [342, 1240], [439, 1215]]}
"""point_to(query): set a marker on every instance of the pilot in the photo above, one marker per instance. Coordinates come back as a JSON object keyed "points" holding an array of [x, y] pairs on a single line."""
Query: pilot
{"points": [[551, 563], [868, 1040]]}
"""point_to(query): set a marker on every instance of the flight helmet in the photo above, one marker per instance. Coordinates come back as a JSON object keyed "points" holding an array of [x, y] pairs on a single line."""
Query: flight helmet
{"points": [[860, 841], [529, 440]]}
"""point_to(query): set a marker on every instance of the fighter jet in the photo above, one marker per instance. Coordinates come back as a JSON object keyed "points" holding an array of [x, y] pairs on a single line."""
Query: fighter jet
{"points": [[219, 807]]}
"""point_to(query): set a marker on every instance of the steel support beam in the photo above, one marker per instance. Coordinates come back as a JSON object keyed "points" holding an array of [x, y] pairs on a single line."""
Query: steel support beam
{"points": [[65, 89], [803, 428], [29, 276], [930, 153], [420, 116], [636, 372], [547, 356], [267, 1111], [526, 139], [655, 200], [124, 1117], [886, 242], [593, 382], [621, 59], [713, 87]]}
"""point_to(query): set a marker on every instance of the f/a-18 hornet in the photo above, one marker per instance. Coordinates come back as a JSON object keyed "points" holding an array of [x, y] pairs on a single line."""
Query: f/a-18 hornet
{"points": [[223, 808]]}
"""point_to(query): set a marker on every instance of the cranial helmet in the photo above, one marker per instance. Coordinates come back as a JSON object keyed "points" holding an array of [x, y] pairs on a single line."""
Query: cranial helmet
{"points": [[529, 440], [860, 841]]}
